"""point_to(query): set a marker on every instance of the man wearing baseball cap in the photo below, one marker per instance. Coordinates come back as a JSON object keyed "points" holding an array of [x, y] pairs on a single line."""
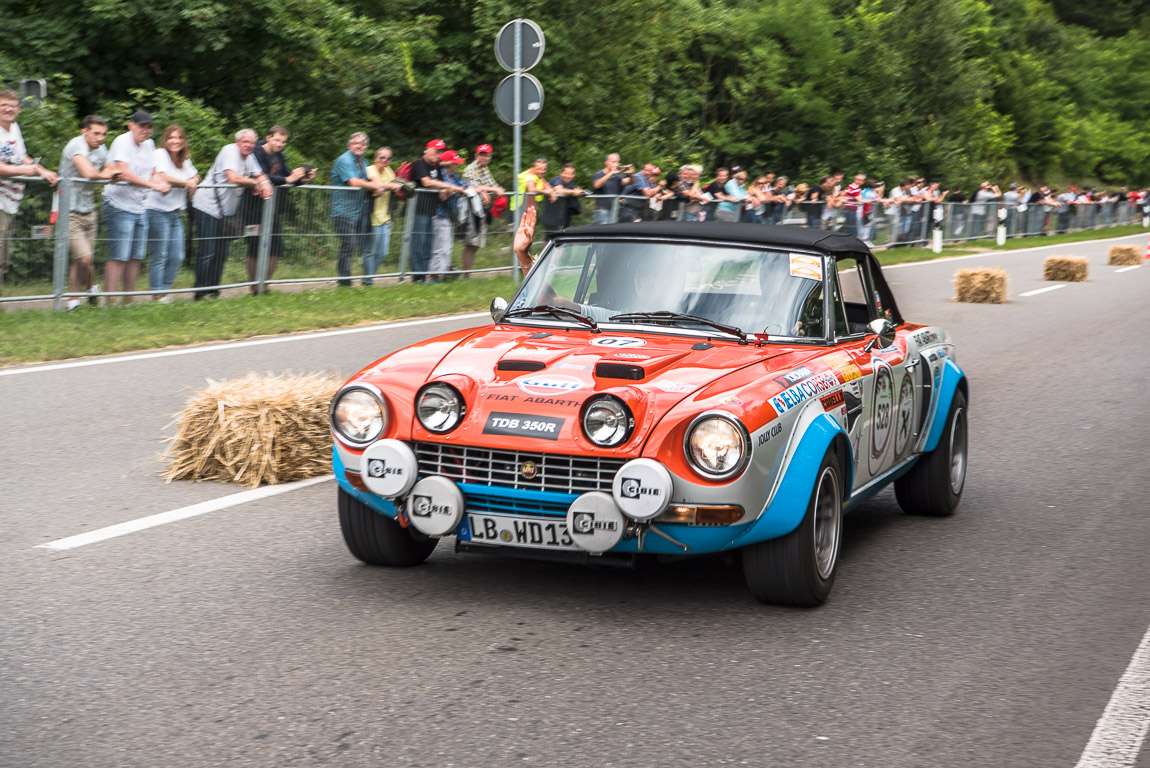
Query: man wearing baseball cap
{"points": [[445, 215], [427, 175], [478, 177], [132, 158]]}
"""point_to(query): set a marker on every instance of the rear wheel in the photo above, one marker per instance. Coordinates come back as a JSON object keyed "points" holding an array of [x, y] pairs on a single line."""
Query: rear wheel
{"points": [[799, 568], [933, 487], [377, 539]]}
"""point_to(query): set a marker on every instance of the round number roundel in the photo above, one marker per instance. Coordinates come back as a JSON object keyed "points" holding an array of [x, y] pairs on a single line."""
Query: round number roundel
{"points": [[904, 417], [882, 409]]}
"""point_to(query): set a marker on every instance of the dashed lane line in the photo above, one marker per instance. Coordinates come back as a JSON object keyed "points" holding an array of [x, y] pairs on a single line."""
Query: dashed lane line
{"points": [[1127, 269], [1043, 290], [183, 513], [1118, 736]]}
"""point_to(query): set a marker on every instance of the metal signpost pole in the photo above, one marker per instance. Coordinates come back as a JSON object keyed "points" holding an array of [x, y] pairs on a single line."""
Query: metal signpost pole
{"points": [[517, 140]]}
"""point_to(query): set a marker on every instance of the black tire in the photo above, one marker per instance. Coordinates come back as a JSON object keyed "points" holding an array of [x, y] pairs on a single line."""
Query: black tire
{"points": [[377, 539], [933, 487], [799, 569]]}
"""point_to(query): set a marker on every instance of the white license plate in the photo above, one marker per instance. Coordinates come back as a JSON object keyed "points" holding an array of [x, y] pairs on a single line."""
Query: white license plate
{"points": [[530, 532]]}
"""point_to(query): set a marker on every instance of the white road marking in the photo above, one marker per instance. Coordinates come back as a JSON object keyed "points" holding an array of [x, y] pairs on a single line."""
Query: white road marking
{"points": [[1127, 269], [237, 344], [1043, 290], [1117, 739], [143, 523]]}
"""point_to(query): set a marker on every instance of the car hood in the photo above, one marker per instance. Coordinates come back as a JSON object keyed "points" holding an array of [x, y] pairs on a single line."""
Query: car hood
{"points": [[515, 376]]}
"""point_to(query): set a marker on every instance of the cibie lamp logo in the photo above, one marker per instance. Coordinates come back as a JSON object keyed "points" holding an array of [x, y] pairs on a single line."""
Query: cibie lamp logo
{"points": [[549, 385]]}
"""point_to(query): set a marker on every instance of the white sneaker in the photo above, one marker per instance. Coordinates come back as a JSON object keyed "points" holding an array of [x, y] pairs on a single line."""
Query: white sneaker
{"points": [[165, 300], [95, 289], [72, 304]]}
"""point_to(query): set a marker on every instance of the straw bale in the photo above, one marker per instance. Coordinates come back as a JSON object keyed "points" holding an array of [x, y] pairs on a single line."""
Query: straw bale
{"points": [[980, 286], [1124, 256], [255, 429], [1071, 269]]}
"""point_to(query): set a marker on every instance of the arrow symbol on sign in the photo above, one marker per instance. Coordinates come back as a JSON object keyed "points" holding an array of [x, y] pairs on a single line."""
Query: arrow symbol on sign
{"points": [[533, 106]]}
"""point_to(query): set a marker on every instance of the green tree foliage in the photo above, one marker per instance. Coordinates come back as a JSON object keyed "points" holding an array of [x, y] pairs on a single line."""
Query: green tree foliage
{"points": [[960, 89]]}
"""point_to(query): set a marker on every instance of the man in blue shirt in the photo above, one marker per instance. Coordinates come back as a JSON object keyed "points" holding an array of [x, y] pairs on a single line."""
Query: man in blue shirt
{"points": [[349, 209]]}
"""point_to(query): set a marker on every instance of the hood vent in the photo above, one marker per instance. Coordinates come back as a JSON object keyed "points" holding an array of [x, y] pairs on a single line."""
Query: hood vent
{"points": [[521, 365], [620, 371]]}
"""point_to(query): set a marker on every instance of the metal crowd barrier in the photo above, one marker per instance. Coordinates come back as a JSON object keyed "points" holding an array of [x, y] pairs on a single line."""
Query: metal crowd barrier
{"points": [[292, 238]]}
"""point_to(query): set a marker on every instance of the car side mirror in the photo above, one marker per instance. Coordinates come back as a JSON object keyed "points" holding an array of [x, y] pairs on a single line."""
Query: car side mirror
{"points": [[498, 307], [884, 333]]}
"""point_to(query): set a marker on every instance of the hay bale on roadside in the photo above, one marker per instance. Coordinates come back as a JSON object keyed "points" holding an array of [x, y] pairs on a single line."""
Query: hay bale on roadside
{"points": [[255, 429], [1124, 256], [980, 286], [1069, 269]]}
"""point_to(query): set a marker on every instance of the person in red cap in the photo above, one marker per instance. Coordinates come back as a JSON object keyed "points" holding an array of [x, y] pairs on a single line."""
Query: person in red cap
{"points": [[428, 178], [478, 177], [446, 211]]}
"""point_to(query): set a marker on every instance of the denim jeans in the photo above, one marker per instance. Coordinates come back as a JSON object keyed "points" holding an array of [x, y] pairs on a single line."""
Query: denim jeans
{"points": [[420, 244], [601, 216], [166, 247], [211, 252], [688, 216], [351, 236], [127, 234], [380, 242]]}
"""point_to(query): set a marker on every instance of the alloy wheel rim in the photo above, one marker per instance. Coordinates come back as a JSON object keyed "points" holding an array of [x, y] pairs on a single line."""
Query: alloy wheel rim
{"points": [[958, 451], [828, 523]]}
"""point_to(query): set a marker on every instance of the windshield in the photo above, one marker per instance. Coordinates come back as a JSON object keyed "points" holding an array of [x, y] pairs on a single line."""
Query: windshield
{"points": [[758, 291]]}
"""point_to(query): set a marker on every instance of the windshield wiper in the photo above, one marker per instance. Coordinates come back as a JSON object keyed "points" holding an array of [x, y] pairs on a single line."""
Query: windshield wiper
{"points": [[679, 316], [551, 309]]}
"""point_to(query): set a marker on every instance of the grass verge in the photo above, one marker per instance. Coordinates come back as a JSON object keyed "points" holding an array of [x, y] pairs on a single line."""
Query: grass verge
{"points": [[36, 335]]}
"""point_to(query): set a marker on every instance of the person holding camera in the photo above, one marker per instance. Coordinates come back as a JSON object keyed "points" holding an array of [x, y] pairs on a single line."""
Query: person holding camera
{"points": [[269, 153], [607, 185]]}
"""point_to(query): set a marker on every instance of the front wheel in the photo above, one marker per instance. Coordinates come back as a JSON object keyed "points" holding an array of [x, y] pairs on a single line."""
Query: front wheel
{"points": [[799, 568], [933, 486], [377, 539]]}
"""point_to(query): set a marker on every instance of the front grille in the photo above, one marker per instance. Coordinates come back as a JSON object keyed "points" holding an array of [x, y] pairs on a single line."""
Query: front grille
{"points": [[483, 466]]}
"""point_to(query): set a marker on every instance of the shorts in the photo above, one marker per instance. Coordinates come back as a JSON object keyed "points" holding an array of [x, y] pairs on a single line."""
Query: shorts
{"points": [[479, 239], [81, 233]]}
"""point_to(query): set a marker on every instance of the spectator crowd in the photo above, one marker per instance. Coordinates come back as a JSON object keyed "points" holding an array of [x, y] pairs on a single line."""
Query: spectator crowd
{"points": [[148, 188]]}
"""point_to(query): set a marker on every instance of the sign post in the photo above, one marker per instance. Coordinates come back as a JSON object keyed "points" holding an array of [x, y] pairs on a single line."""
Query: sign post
{"points": [[519, 97]]}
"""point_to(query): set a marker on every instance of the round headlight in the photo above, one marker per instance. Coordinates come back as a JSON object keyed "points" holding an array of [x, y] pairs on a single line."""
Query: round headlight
{"points": [[607, 422], [358, 416], [717, 446], [439, 408]]}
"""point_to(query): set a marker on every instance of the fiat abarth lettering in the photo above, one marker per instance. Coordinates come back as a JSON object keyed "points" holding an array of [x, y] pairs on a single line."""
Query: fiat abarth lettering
{"points": [[660, 389]]}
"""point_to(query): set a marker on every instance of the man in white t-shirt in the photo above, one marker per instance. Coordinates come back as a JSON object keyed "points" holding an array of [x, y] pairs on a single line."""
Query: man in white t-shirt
{"points": [[14, 161], [132, 159], [213, 207], [82, 161]]}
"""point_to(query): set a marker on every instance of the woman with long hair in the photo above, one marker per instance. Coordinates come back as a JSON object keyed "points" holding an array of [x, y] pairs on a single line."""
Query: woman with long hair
{"points": [[165, 212]]}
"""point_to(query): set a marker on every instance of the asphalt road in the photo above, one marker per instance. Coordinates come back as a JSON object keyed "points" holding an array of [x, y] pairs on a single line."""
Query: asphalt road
{"points": [[249, 636]]}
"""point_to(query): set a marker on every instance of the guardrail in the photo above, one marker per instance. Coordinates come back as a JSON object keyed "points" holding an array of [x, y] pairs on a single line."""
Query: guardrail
{"points": [[293, 238]]}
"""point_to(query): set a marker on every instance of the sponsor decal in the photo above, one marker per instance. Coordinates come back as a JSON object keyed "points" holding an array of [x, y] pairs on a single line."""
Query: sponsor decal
{"points": [[549, 385], [585, 523], [425, 506], [730, 400], [795, 376], [379, 468], [677, 387], [572, 367], [833, 400], [632, 488], [904, 417], [523, 425], [769, 434], [803, 265], [841, 364], [943, 353], [922, 338], [882, 410], [805, 389], [630, 356], [618, 341], [558, 401], [887, 350]]}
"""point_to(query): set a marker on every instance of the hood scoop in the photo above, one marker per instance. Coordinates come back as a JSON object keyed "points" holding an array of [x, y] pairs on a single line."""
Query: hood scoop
{"points": [[627, 371], [521, 365]]}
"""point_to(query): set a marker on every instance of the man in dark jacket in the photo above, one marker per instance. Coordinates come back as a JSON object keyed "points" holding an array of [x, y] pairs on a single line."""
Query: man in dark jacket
{"points": [[269, 154]]}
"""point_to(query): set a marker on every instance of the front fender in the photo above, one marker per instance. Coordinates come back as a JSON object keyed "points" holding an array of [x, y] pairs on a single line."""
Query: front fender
{"points": [[378, 503], [789, 503], [952, 379]]}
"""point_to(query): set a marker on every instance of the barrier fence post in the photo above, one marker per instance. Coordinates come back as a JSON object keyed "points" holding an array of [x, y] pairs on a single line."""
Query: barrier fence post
{"points": [[936, 232], [60, 252], [1001, 233], [267, 217], [408, 229]]}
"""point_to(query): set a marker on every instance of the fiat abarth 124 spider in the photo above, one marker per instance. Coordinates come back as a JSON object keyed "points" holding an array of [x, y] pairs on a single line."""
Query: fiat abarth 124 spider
{"points": [[660, 389]]}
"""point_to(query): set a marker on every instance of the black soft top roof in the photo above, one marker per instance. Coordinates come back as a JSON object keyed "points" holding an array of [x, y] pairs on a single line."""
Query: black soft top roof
{"points": [[757, 234]]}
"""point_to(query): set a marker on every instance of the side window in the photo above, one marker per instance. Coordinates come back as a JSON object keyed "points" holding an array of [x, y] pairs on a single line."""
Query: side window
{"points": [[853, 305]]}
